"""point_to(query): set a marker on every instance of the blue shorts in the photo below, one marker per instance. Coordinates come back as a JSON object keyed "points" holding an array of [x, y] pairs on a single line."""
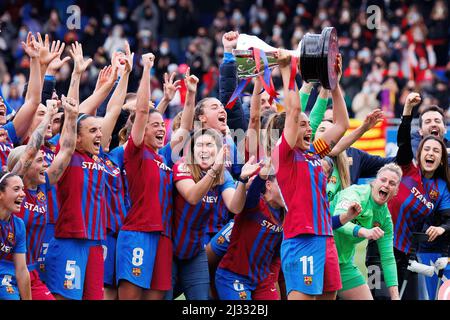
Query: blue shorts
{"points": [[137, 257], [310, 264], [49, 235], [221, 241], [233, 286], [8, 282], [109, 256], [66, 264]]}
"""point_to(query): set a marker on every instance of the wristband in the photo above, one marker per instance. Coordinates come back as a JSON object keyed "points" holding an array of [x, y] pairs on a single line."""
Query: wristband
{"points": [[49, 77], [355, 231], [244, 181], [228, 57]]}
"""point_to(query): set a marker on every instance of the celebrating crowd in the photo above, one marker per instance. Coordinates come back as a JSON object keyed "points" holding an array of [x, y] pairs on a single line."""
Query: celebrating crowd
{"points": [[100, 199]]}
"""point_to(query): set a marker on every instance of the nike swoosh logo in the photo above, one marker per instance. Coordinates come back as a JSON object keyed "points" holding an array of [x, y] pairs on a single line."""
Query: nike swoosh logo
{"points": [[273, 290], [47, 293]]}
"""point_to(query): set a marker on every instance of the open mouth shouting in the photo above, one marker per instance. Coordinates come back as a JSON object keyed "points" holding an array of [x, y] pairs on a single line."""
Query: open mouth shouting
{"points": [[160, 138], [18, 203], [222, 119], [383, 194], [434, 132], [429, 162], [97, 144]]}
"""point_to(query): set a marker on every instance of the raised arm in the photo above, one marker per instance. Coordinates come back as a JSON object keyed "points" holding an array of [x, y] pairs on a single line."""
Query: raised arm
{"points": [[90, 105], [170, 88], [48, 53], [318, 110], [187, 117], [142, 101], [115, 103], [80, 65], [405, 154], [33, 97], [67, 141], [252, 136], [340, 115], [346, 141], [36, 141], [291, 100]]}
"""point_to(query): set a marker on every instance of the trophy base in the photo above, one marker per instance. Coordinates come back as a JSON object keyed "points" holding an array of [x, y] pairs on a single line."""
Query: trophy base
{"points": [[318, 58]]}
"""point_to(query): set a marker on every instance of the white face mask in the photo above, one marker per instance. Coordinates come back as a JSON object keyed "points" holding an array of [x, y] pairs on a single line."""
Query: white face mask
{"points": [[276, 31], [262, 16], [322, 16], [164, 50], [121, 15], [256, 30], [300, 11]]}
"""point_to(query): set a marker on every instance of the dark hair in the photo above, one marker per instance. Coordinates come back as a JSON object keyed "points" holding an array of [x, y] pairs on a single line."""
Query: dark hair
{"points": [[442, 170], [81, 118], [431, 108], [4, 176], [199, 107]]}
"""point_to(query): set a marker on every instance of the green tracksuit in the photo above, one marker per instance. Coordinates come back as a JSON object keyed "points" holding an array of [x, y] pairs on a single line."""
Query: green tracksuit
{"points": [[346, 238]]}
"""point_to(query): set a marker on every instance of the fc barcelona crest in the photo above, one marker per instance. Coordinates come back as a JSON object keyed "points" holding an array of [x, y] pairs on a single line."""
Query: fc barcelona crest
{"points": [[434, 194], [220, 240], [41, 196], [10, 236], [243, 295], [68, 284], [9, 289], [136, 272], [307, 280]]}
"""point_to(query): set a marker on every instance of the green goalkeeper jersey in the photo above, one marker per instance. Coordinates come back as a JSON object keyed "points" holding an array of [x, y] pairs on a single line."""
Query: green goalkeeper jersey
{"points": [[372, 215]]}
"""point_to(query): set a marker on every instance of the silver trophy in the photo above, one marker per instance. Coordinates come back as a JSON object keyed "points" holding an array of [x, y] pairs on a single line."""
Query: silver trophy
{"points": [[316, 53]]}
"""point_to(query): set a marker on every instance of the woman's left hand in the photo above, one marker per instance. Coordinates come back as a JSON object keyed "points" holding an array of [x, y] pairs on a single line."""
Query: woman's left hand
{"points": [[434, 232]]}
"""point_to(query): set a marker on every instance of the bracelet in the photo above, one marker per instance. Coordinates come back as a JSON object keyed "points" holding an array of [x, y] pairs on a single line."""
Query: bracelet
{"points": [[211, 174], [244, 181], [214, 170]]}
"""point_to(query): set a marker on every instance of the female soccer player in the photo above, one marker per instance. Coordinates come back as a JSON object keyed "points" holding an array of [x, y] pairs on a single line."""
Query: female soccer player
{"points": [[203, 186], [373, 223], [29, 162], [14, 275], [144, 239], [424, 190], [308, 253]]}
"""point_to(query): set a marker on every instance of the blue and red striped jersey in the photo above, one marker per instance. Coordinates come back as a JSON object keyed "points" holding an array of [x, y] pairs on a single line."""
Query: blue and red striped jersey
{"points": [[12, 238], [303, 186], [417, 198], [116, 210], [190, 221], [52, 198], [150, 189], [81, 195], [34, 215], [256, 237], [8, 139]]}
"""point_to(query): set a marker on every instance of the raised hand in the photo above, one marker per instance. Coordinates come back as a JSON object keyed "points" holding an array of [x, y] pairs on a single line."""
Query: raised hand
{"points": [[412, 100], [221, 157], [372, 119], [148, 60], [48, 53], [52, 107], [250, 167], [103, 77], [70, 106], [283, 58], [191, 81], [80, 64], [128, 59], [229, 40], [31, 47]]}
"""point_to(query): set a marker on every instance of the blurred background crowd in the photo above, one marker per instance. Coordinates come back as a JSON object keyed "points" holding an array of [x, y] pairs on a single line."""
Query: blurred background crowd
{"points": [[408, 51]]}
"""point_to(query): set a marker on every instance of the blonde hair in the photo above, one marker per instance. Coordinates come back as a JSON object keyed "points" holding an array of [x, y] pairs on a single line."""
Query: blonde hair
{"points": [[391, 167], [14, 156], [343, 167]]}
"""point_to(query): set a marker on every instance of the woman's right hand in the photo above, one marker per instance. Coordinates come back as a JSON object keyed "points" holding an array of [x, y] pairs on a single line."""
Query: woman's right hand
{"points": [[221, 157]]}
